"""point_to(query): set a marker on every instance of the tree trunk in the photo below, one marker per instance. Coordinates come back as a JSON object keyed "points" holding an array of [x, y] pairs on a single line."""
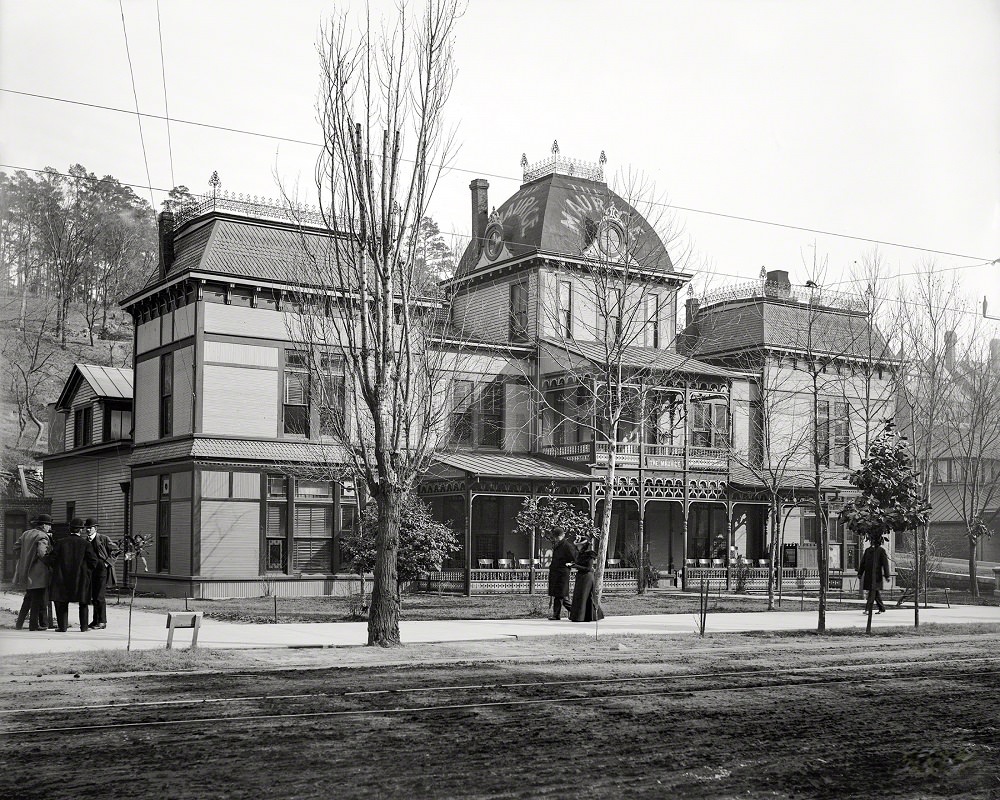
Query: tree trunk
{"points": [[383, 616], [602, 545], [774, 513], [973, 576]]}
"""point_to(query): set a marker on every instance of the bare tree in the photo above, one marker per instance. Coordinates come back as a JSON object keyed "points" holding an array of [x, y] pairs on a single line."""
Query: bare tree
{"points": [[28, 353], [381, 102], [614, 295], [972, 424]]}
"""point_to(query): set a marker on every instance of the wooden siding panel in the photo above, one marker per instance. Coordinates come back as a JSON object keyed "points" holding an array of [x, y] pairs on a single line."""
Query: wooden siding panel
{"points": [[246, 485], [144, 524], [144, 489], [253, 393], [230, 539], [167, 329], [241, 321], [214, 484], [183, 390], [148, 336], [146, 411], [180, 537], [184, 322], [242, 354], [485, 311], [94, 485], [180, 485]]}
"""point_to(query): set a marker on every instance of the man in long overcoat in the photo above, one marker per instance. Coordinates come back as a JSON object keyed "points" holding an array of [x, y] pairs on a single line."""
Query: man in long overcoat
{"points": [[563, 557], [106, 552], [874, 567], [72, 560], [32, 573]]}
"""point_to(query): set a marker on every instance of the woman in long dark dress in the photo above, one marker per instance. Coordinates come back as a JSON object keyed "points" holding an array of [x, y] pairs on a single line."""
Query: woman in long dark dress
{"points": [[585, 606]]}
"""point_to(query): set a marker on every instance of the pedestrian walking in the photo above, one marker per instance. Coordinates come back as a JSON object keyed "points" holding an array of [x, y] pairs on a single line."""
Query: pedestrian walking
{"points": [[103, 574], [563, 557], [874, 567], [72, 560], [585, 606], [32, 574]]}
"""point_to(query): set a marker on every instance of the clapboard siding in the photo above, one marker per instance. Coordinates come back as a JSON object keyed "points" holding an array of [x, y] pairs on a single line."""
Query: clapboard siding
{"points": [[84, 397], [214, 485], [144, 489], [148, 336], [167, 328], [92, 483], [144, 524], [241, 321], [184, 322], [485, 312], [180, 485], [243, 354], [180, 537], [240, 401], [246, 485], [183, 390], [230, 538], [146, 407]]}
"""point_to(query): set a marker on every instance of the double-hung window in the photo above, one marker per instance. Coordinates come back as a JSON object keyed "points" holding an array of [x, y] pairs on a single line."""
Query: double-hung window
{"points": [[565, 300], [83, 426], [333, 402], [163, 526], [518, 312], [653, 320], [166, 394], [296, 394]]}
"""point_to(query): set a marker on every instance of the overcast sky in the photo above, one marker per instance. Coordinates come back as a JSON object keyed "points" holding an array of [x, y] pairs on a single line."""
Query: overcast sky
{"points": [[880, 120]]}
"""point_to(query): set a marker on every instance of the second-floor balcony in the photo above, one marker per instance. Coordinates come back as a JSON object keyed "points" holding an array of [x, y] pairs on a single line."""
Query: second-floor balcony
{"points": [[632, 455]]}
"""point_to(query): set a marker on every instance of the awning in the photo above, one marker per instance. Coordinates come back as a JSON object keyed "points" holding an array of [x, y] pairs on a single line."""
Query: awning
{"points": [[504, 465]]}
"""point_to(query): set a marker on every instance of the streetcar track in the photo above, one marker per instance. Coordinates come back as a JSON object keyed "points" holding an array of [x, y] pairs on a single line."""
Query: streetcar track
{"points": [[492, 686], [524, 702]]}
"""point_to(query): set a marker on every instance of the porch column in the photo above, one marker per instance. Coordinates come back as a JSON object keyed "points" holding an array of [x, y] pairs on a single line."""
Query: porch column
{"points": [[468, 540]]}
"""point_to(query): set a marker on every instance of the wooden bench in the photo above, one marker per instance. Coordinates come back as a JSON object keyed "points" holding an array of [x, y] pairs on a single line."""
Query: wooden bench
{"points": [[183, 619]]}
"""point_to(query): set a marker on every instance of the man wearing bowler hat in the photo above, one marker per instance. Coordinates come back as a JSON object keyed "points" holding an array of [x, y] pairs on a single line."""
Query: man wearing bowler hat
{"points": [[32, 573], [106, 552], [73, 561]]}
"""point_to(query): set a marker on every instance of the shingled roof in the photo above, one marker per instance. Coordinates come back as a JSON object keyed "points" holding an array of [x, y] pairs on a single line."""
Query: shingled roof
{"points": [[550, 215], [782, 325]]}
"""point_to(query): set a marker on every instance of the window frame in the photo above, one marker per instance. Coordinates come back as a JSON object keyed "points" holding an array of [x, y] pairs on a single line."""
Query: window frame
{"points": [[83, 434], [163, 524], [166, 426], [565, 307], [300, 373], [518, 317]]}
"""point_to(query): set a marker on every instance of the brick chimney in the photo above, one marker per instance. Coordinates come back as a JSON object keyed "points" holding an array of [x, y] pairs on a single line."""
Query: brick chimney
{"points": [[949, 349], [480, 211], [165, 234], [691, 306], [779, 278]]}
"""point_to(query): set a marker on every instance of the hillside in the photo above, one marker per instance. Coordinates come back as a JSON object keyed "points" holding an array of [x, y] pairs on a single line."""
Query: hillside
{"points": [[56, 360]]}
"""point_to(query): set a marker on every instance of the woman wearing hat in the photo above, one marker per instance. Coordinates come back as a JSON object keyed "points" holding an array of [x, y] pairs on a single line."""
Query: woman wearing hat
{"points": [[32, 573], [585, 606], [106, 553]]}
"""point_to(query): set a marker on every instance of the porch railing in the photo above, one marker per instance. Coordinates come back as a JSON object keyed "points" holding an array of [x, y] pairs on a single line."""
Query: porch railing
{"points": [[655, 456], [517, 581], [725, 578]]}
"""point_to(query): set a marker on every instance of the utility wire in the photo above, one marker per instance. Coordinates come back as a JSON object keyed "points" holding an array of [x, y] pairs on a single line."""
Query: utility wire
{"points": [[135, 96], [468, 237], [166, 105], [481, 173]]}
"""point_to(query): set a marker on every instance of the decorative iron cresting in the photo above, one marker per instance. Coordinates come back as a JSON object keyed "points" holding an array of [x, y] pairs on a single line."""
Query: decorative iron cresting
{"points": [[765, 289], [563, 165], [250, 206]]}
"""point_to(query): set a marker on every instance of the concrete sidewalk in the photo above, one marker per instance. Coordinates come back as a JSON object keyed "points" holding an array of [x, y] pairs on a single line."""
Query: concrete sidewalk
{"points": [[149, 629]]}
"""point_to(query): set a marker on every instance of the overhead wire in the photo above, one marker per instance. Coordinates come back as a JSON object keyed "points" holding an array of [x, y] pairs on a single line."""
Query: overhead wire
{"points": [[166, 104], [481, 173], [135, 96]]}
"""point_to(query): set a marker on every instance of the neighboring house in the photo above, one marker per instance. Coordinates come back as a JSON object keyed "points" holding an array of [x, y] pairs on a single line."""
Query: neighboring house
{"points": [[90, 440], [815, 362], [21, 498]]}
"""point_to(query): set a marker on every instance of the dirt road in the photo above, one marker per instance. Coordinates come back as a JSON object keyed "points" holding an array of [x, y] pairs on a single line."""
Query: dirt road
{"points": [[779, 719]]}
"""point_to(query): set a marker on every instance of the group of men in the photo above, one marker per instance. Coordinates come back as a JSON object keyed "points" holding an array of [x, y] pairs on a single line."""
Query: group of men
{"points": [[59, 570]]}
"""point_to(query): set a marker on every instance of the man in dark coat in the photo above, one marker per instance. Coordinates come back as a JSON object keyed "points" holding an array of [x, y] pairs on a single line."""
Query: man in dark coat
{"points": [[106, 552], [72, 561], [32, 573], [874, 567], [563, 557]]}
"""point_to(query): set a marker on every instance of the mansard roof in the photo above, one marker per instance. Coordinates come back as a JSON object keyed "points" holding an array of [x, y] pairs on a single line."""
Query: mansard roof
{"points": [[559, 215], [764, 323]]}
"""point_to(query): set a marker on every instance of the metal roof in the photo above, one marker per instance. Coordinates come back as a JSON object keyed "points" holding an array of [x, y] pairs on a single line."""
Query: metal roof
{"points": [[113, 382], [648, 358], [505, 465]]}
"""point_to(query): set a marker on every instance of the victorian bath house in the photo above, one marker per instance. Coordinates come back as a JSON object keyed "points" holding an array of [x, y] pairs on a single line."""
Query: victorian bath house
{"points": [[235, 479]]}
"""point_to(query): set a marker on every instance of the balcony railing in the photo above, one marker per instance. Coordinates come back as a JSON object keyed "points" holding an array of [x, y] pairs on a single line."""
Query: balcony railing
{"points": [[653, 456]]}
